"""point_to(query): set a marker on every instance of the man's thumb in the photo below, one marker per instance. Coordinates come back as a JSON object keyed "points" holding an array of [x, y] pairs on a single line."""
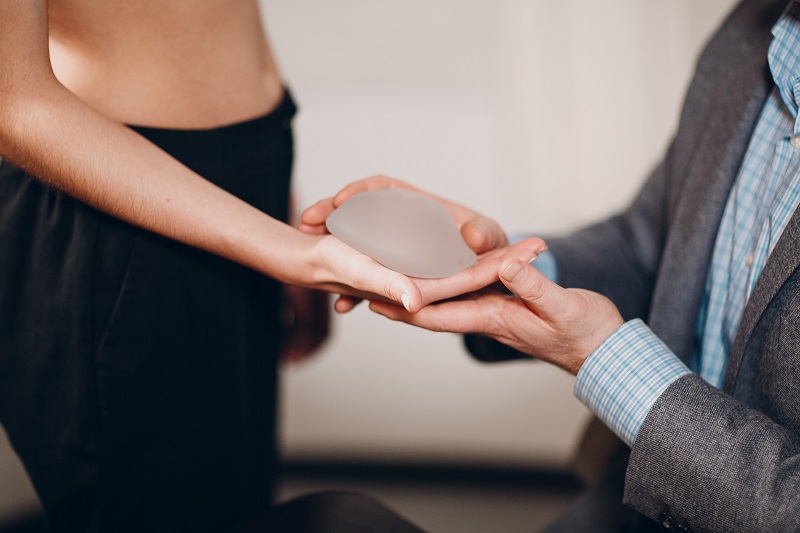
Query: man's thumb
{"points": [[526, 282]]}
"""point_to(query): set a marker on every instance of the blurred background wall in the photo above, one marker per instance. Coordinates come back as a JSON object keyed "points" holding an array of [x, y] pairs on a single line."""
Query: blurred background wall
{"points": [[544, 115]]}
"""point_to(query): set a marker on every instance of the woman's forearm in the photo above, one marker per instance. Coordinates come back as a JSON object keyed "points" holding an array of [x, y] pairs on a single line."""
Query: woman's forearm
{"points": [[53, 135]]}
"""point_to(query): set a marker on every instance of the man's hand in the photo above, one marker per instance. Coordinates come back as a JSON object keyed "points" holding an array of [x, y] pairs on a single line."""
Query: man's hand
{"points": [[544, 320]]}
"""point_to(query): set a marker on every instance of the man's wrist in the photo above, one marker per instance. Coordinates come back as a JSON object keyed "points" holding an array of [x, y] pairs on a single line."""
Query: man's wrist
{"points": [[622, 379], [599, 337]]}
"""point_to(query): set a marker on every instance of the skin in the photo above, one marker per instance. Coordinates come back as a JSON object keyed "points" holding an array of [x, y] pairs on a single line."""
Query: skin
{"points": [[560, 326], [72, 72], [538, 317], [482, 234], [112, 168]]}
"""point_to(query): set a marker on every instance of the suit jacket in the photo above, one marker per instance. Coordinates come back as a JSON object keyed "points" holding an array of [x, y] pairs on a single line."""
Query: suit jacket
{"points": [[707, 459]]}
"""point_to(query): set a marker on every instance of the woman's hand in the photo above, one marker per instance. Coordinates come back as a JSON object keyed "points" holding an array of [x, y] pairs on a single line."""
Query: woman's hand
{"points": [[480, 233], [338, 268], [306, 324]]}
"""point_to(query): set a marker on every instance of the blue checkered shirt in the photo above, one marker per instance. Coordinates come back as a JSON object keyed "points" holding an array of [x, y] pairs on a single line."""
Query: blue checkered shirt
{"points": [[624, 377]]}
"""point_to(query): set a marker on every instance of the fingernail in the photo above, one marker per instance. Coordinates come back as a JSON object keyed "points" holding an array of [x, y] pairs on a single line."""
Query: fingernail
{"points": [[514, 272], [532, 259], [406, 302]]}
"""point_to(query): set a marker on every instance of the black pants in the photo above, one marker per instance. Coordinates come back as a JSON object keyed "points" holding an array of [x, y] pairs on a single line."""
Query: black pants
{"points": [[138, 375]]}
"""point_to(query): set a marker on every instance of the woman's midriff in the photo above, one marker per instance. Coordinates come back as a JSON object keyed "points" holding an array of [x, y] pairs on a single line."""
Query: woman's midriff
{"points": [[165, 63]]}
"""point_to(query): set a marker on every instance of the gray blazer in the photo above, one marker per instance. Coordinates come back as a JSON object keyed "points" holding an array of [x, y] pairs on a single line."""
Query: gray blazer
{"points": [[705, 459]]}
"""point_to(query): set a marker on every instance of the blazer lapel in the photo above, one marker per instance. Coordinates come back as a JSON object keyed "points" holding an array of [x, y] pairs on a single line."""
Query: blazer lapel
{"points": [[782, 262], [696, 217]]}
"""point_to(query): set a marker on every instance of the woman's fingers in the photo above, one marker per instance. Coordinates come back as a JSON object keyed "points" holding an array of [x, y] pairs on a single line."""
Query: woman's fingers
{"points": [[346, 271], [317, 214], [479, 275], [483, 235], [373, 183], [345, 303]]}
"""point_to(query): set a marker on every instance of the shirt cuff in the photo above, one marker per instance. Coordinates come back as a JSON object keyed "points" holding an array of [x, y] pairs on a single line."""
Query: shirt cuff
{"points": [[622, 379], [545, 263]]}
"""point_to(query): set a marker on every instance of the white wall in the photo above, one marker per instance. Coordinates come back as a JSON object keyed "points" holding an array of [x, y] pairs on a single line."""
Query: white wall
{"points": [[542, 114]]}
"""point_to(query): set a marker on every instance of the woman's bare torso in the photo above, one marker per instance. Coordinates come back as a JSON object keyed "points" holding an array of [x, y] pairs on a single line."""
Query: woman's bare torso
{"points": [[165, 63]]}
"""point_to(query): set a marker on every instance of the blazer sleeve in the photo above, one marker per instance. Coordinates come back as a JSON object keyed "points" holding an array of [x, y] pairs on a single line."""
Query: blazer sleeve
{"points": [[619, 257], [708, 462]]}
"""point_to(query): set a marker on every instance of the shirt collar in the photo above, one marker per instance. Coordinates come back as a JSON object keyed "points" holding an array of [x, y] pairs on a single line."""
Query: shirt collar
{"points": [[784, 56]]}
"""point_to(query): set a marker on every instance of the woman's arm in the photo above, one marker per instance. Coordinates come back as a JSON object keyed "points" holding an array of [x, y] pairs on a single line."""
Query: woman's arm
{"points": [[52, 134]]}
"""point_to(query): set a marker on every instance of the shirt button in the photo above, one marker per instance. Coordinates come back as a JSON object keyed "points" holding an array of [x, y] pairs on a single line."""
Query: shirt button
{"points": [[794, 140], [748, 260]]}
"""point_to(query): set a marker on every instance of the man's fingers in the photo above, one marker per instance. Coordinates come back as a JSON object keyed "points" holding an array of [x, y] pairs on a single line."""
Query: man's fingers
{"points": [[458, 316], [536, 291]]}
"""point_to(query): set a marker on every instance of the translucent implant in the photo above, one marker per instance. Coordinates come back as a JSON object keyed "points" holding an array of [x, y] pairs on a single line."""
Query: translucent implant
{"points": [[402, 230]]}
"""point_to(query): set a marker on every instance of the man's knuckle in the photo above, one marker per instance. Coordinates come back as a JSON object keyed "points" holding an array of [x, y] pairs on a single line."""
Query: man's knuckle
{"points": [[502, 318], [535, 290], [389, 288]]}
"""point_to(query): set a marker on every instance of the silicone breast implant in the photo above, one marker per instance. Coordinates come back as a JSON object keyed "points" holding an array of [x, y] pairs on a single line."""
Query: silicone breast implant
{"points": [[404, 231]]}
